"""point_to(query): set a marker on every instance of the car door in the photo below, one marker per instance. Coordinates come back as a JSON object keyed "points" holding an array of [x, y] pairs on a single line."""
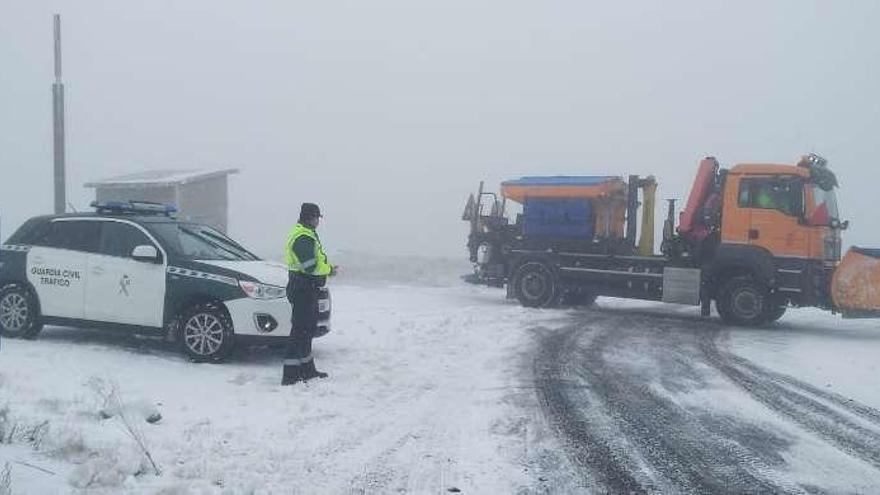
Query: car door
{"points": [[120, 288], [56, 266]]}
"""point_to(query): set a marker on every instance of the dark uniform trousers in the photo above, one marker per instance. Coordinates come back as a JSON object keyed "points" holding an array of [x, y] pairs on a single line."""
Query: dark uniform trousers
{"points": [[302, 292]]}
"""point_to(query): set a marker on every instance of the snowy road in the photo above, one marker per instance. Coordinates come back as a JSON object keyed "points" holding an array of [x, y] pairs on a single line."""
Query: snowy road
{"points": [[436, 389], [646, 401]]}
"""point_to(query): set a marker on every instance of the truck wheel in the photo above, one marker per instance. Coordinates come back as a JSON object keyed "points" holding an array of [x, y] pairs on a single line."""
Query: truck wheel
{"points": [[579, 298], [206, 333], [535, 285], [19, 317], [774, 313], [742, 301]]}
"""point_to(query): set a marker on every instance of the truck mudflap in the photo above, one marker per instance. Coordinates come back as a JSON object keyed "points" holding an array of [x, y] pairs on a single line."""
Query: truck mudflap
{"points": [[856, 284]]}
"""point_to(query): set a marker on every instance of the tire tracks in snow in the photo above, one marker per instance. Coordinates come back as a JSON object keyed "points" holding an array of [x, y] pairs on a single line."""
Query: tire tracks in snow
{"points": [[560, 396], [594, 399], [625, 432], [851, 427]]}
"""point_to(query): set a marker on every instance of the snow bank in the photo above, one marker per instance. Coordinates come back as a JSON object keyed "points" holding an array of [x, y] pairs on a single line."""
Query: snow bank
{"points": [[361, 268]]}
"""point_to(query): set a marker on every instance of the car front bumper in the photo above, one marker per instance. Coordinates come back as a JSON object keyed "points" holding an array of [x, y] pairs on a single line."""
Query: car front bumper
{"points": [[271, 317]]}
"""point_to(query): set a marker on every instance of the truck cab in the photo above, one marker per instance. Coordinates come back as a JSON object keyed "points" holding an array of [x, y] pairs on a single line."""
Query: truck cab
{"points": [[780, 209], [779, 224]]}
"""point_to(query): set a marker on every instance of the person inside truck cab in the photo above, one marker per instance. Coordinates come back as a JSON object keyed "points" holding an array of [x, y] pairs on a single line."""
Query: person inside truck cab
{"points": [[774, 194]]}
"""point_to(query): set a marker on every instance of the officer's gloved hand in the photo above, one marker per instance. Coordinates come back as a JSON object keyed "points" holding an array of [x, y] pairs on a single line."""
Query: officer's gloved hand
{"points": [[334, 270]]}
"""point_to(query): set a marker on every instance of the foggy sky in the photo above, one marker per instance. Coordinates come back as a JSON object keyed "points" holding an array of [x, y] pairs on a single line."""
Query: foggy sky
{"points": [[389, 113]]}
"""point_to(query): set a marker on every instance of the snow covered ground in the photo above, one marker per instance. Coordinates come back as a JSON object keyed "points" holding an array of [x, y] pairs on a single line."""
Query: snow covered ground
{"points": [[415, 402], [842, 356], [430, 390]]}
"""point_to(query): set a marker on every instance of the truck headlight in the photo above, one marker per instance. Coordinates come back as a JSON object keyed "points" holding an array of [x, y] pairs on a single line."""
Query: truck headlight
{"points": [[832, 248], [256, 290]]}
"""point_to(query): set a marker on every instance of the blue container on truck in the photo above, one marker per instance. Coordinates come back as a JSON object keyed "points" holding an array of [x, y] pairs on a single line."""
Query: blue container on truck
{"points": [[559, 218]]}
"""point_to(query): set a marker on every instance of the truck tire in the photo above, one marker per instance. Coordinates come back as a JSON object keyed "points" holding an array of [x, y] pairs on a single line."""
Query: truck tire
{"points": [[774, 313], [580, 298], [535, 285], [19, 312], [206, 333], [744, 301]]}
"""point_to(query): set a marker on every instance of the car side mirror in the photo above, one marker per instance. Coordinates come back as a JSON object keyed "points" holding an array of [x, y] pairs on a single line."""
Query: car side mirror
{"points": [[145, 253]]}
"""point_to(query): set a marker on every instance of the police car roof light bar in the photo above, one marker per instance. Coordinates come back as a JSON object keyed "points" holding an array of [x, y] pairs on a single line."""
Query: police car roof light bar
{"points": [[134, 208]]}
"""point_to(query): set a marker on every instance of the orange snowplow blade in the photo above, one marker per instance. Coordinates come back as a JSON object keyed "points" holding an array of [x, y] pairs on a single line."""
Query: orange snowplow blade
{"points": [[856, 284]]}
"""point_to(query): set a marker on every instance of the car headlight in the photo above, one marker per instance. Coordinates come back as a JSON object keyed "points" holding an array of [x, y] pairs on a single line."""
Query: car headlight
{"points": [[256, 290]]}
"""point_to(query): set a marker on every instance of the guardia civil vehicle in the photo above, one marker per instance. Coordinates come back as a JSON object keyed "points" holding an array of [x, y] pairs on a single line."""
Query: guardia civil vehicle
{"points": [[132, 266]]}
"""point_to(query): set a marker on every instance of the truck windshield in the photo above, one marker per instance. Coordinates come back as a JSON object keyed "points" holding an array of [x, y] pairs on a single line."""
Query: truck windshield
{"points": [[824, 206], [200, 242]]}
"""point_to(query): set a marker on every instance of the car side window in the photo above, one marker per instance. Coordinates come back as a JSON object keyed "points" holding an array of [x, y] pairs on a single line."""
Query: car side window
{"points": [[120, 239], [75, 235], [781, 194], [29, 232]]}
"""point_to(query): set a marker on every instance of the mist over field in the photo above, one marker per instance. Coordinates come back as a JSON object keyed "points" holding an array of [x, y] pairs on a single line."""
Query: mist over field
{"points": [[389, 113]]}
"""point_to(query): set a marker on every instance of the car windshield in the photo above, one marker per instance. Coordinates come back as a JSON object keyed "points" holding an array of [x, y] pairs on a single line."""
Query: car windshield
{"points": [[200, 242], [824, 206]]}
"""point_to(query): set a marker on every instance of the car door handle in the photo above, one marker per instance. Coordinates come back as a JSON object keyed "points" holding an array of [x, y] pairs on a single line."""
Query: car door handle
{"points": [[754, 233], [97, 270]]}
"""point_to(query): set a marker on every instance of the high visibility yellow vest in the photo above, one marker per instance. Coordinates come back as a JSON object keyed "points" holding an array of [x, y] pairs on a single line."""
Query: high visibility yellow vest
{"points": [[322, 267]]}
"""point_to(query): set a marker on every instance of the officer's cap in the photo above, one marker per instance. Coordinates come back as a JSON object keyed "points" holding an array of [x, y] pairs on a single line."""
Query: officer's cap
{"points": [[309, 210]]}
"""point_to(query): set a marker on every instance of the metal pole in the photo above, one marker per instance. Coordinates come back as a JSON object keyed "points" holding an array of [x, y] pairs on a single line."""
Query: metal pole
{"points": [[58, 124]]}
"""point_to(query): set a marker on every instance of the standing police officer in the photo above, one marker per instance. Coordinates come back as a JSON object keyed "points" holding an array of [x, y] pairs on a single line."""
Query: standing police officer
{"points": [[308, 270]]}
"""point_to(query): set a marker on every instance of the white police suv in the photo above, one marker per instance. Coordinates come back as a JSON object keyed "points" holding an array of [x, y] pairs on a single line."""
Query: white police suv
{"points": [[132, 266]]}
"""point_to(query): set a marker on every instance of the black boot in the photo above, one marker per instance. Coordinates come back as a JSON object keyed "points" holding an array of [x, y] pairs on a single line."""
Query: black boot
{"points": [[292, 374], [309, 371]]}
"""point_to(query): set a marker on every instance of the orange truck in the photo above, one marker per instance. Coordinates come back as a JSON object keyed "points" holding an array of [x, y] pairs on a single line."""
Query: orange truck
{"points": [[755, 239]]}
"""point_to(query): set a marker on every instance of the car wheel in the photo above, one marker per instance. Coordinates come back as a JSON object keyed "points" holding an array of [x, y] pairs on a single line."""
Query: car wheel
{"points": [[742, 301], [535, 285], [206, 333], [19, 316]]}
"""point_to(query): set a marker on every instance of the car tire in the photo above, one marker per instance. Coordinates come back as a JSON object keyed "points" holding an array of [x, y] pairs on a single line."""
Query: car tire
{"points": [[206, 333], [19, 312], [743, 301], [535, 285]]}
